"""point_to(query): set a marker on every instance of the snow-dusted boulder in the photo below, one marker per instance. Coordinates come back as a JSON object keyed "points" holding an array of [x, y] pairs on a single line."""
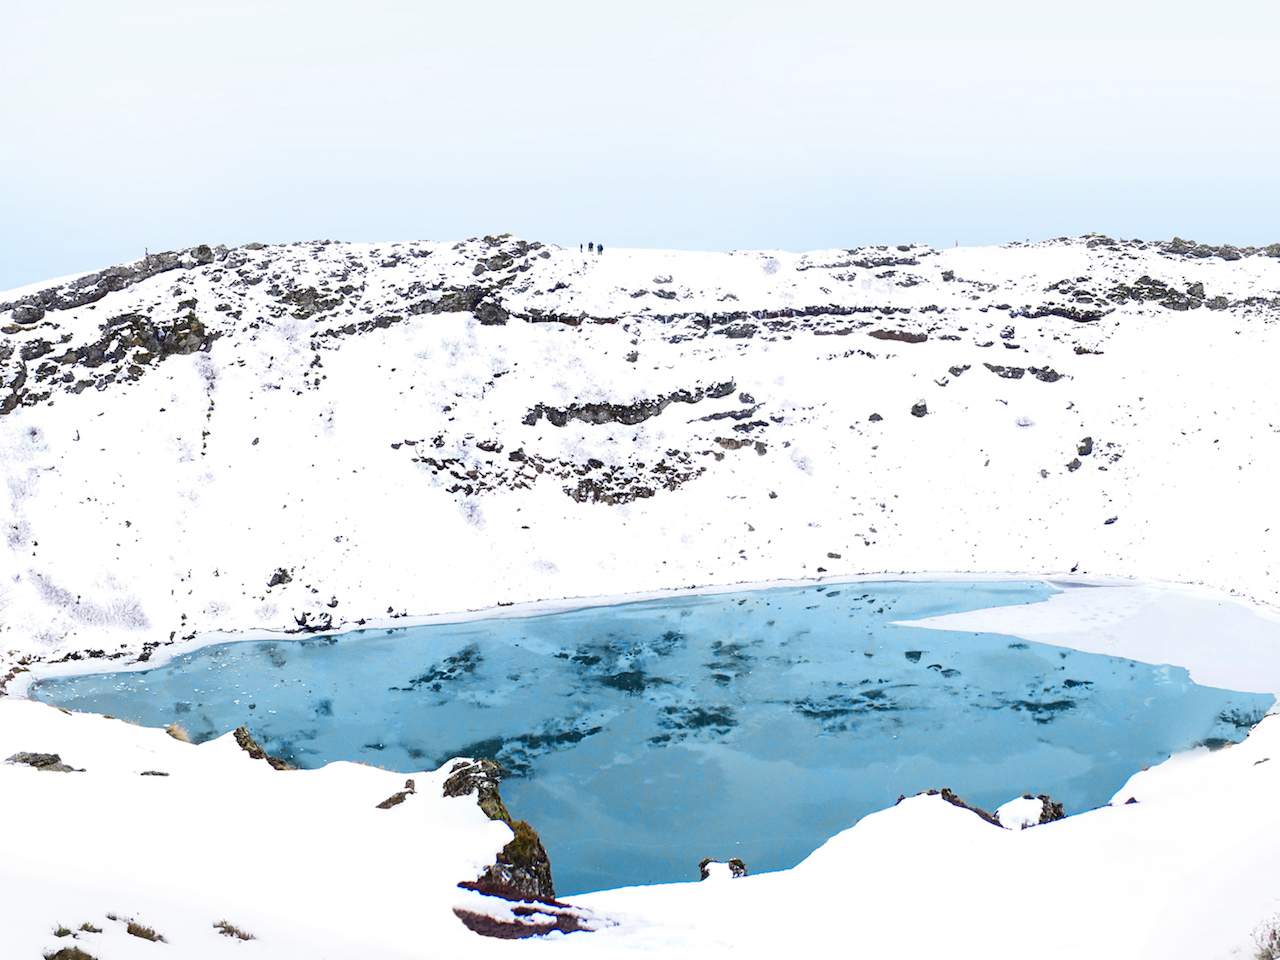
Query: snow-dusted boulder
{"points": [[731, 869]]}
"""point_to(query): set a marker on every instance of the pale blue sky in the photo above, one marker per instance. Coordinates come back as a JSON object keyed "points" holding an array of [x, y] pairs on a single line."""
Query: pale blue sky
{"points": [[140, 123]]}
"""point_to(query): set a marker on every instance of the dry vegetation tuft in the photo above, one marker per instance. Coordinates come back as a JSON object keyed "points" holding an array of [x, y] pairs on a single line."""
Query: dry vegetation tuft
{"points": [[146, 933], [228, 929], [1267, 939], [69, 953]]}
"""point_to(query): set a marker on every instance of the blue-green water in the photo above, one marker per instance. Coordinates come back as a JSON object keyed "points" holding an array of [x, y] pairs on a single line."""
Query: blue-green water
{"points": [[645, 736]]}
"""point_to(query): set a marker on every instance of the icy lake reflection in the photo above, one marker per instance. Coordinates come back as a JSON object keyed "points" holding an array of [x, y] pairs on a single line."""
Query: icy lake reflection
{"points": [[642, 737]]}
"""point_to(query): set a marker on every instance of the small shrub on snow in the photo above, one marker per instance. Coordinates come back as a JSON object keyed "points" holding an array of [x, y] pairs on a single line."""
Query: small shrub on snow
{"points": [[471, 513], [146, 933], [228, 929], [1267, 939], [69, 953]]}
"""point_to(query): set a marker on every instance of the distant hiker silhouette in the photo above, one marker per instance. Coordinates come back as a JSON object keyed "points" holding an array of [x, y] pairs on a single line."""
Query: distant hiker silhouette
{"points": [[579, 248], [591, 248], [599, 248]]}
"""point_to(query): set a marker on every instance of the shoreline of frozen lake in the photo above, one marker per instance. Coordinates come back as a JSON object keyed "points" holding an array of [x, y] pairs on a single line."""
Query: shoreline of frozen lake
{"points": [[650, 719]]}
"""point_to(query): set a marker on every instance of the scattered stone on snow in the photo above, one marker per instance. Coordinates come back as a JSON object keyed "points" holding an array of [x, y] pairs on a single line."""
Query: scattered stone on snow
{"points": [[281, 576], [399, 796]]}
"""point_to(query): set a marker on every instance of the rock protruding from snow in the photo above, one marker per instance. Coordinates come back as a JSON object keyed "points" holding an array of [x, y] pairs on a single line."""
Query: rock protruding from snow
{"points": [[249, 745], [48, 762], [92, 287], [731, 869], [1030, 811], [522, 869], [949, 795], [400, 796], [503, 920]]}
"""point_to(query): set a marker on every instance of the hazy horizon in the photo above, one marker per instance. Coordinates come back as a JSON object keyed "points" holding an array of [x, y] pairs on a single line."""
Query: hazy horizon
{"points": [[725, 125]]}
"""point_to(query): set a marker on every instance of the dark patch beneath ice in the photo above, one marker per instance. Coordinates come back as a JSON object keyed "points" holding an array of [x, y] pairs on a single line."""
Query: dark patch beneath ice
{"points": [[450, 669]]}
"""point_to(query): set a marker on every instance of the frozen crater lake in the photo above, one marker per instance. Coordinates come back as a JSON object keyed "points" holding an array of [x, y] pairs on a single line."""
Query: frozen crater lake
{"points": [[641, 737]]}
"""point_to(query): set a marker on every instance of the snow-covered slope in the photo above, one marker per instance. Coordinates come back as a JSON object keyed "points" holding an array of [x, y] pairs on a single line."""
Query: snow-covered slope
{"points": [[178, 838], [269, 437], [298, 436]]}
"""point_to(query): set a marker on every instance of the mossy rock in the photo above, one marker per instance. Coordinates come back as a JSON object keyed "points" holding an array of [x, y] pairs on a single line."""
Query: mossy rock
{"points": [[254, 749], [522, 870], [525, 849]]}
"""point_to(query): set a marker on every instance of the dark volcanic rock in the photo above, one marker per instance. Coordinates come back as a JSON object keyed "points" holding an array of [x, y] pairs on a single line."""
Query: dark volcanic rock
{"points": [[1045, 374], [460, 300], [48, 762], [1177, 247], [1078, 314], [1009, 373], [399, 797], [627, 413], [948, 795], [27, 313], [92, 287], [736, 867], [1146, 289], [905, 336], [490, 314], [127, 347], [551, 917], [308, 301]]}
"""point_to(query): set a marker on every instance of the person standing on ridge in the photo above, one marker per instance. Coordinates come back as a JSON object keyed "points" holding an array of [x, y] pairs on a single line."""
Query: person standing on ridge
{"points": [[599, 248], [591, 247]]}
